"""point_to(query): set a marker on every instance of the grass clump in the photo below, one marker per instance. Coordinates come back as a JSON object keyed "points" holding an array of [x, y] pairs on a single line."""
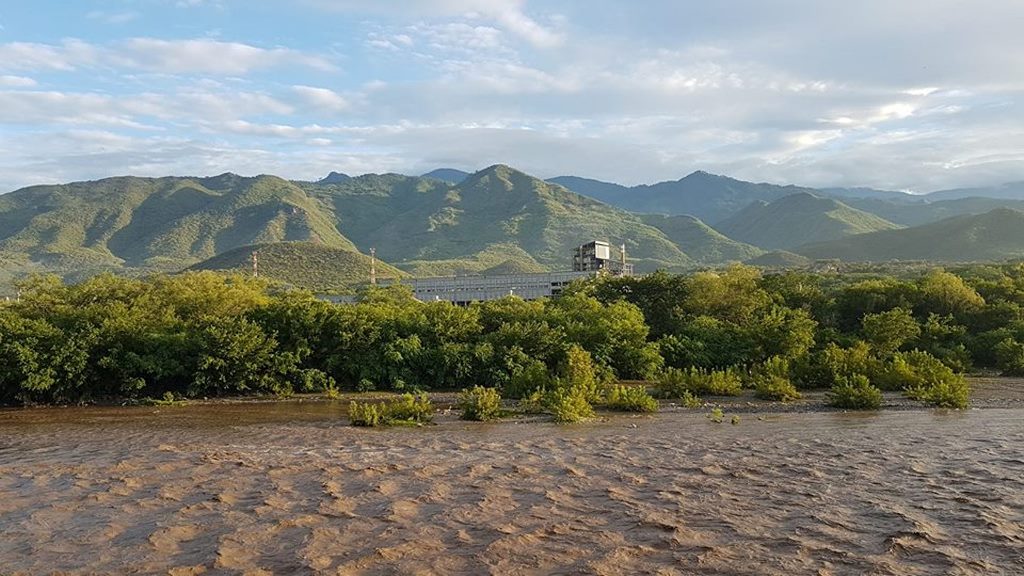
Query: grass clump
{"points": [[855, 393], [630, 399], [674, 383], [480, 404], [407, 409]]}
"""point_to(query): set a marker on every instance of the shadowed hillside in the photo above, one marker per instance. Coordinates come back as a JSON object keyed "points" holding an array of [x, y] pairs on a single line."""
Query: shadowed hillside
{"points": [[996, 235], [799, 219]]}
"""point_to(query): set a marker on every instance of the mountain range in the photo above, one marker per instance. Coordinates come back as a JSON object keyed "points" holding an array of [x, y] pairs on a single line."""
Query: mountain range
{"points": [[496, 220]]}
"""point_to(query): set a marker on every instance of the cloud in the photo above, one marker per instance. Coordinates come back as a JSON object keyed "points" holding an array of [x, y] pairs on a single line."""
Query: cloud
{"points": [[322, 99], [508, 14], [17, 82], [197, 56]]}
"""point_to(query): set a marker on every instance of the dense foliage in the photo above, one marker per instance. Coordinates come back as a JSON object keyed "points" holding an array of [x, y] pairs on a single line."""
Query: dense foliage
{"points": [[204, 334]]}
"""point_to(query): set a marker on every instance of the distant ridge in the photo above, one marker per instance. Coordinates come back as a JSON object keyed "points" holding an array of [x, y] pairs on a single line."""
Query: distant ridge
{"points": [[449, 175], [710, 197], [993, 236], [799, 219]]}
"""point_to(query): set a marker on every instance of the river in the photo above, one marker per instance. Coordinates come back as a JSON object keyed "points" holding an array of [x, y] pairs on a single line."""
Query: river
{"points": [[289, 488]]}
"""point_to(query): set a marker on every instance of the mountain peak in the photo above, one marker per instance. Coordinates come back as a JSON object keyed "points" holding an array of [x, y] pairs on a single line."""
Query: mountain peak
{"points": [[449, 175], [335, 178]]}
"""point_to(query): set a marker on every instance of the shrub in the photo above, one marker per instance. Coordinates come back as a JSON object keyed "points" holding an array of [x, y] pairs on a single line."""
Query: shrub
{"points": [[534, 403], [855, 393], [406, 409], [716, 415], [688, 400], [569, 406], [581, 376], [777, 388], [365, 413], [630, 399], [771, 380], [533, 377], [947, 393], [674, 383], [480, 404], [1010, 357]]}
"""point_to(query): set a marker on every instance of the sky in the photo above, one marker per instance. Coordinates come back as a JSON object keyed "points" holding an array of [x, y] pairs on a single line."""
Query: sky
{"points": [[914, 95]]}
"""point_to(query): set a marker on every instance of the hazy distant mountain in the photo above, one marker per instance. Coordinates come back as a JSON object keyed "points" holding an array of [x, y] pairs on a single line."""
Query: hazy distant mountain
{"points": [[450, 175], [995, 235], [607, 192], [335, 178], [860, 192], [1008, 191], [925, 211], [798, 219], [305, 264], [707, 196]]}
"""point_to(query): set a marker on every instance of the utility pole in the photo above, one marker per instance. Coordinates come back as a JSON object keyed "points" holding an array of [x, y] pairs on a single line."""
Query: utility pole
{"points": [[255, 265], [373, 266]]}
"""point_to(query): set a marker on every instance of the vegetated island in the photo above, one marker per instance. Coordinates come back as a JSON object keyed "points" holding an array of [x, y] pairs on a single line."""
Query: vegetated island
{"points": [[202, 335]]}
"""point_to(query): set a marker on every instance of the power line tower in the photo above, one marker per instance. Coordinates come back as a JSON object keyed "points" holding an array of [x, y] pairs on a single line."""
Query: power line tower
{"points": [[255, 265]]}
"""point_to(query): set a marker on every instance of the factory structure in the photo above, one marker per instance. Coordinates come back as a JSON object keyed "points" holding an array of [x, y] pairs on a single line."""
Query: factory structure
{"points": [[588, 260]]}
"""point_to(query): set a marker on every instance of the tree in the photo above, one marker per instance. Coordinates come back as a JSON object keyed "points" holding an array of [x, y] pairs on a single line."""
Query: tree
{"points": [[888, 331]]}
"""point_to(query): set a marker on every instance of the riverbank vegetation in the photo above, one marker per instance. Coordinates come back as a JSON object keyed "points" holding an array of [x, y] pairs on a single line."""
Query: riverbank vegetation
{"points": [[709, 333]]}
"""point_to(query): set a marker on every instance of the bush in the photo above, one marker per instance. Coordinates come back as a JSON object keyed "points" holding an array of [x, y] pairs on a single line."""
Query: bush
{"points": [[776, 388], [569, 406], [480, 404], [855, 393], [406, 409], [946, 393], [533, 377], [630, 399], [771, 380], [1010, 357], [674, 383], [366, 413]]}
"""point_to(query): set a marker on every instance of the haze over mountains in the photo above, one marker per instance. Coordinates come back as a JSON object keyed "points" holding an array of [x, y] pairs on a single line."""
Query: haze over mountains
{"points": [[495, 220]]}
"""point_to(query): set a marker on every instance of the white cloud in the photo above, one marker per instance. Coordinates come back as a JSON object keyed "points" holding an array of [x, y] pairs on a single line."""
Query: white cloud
{"points": [[198, 56], [322, 99], [17, 82]]}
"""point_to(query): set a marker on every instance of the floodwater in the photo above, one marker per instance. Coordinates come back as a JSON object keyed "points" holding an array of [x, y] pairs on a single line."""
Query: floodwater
{"points": [[289, 488]]}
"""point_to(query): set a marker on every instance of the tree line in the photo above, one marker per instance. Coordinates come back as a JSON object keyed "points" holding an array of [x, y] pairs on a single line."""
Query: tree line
{"points": [[204, 334]]}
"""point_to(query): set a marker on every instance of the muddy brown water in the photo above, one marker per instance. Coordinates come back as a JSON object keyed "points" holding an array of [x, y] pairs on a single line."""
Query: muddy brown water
{"points": [[289, 488]]}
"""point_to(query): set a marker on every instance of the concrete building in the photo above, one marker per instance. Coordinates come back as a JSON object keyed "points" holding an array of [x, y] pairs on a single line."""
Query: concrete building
{"points": [[597, 256]]}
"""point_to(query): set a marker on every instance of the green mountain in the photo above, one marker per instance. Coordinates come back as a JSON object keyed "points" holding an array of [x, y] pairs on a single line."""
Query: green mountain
{"points": [[701, 242], [496, 219], [710, 197], [995, 235], [449, 175], [305, 264], [427, 226], [797, 220], [156, 223]]}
